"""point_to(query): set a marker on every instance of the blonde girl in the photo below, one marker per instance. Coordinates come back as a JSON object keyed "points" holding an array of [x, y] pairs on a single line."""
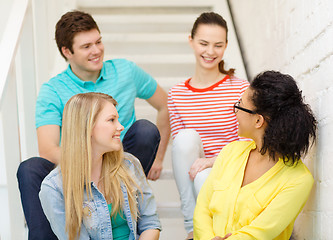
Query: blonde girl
{"points": [[98, 191]]}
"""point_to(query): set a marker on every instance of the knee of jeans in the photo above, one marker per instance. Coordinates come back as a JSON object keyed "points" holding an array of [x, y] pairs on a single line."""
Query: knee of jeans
{"points": [[200, 178], [28, 165], [24, 166], [186, 140], [146, 131]]}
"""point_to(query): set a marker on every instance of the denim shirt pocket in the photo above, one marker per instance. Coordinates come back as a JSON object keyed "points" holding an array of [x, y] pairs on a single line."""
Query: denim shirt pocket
{"points": [[90, 217]]}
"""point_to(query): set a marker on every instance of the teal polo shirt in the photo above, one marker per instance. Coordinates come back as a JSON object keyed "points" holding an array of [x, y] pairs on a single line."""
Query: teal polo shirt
{"points": [[120, 78]]}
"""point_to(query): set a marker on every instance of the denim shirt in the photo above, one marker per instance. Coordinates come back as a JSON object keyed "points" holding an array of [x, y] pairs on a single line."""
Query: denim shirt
{"points": [[97, 223]]}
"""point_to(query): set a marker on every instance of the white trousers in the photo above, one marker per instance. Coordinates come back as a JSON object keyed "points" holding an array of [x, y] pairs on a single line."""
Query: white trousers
{"points": [[187, 147]]}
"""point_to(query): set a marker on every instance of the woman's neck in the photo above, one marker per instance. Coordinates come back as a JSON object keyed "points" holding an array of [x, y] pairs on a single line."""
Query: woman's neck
{"points": [[205, 78], [96, 169], [266, 156]]}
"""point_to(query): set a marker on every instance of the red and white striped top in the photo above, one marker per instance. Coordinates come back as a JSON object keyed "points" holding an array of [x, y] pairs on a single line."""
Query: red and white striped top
{"points": [[209, 111]]}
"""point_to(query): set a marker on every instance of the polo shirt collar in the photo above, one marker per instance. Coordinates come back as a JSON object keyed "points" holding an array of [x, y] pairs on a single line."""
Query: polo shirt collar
{"points": [[77, 80]]}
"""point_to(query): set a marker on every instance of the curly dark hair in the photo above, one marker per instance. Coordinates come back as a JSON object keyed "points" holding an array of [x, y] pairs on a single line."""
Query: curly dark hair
{"points": [[291, 124], [69, 25]]}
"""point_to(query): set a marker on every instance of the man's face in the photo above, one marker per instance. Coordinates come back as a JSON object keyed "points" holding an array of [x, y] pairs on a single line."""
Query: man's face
{"points": [[88, 53]]}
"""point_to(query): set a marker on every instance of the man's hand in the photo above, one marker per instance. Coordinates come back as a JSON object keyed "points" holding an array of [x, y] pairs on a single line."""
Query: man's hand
{"points": [[159, 102], [156, 169]]}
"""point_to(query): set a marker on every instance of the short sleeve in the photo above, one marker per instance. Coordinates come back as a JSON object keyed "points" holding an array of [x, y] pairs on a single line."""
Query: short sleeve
{"points": [[145, 84], [48, 107]]}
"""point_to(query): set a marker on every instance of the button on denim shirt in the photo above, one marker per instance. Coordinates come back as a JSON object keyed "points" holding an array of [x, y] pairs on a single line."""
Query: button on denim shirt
{"points": [[97, 224]]}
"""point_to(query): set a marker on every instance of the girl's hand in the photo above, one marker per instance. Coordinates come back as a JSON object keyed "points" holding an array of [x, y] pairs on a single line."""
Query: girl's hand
{"points": [[222, 238], [199, 165]]}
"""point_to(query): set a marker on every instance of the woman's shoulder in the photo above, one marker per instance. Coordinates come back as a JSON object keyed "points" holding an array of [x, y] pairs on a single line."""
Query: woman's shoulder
{"points": [[132, 162], [135, 167], [238, 145], [300, 171], [297, 178], [233, 152], [181, 86], [54, 178], [234, 80], [131, 159]]}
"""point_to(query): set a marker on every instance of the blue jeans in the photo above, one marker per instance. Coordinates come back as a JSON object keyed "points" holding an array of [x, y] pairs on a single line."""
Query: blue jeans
{"points": [[141, 140]]}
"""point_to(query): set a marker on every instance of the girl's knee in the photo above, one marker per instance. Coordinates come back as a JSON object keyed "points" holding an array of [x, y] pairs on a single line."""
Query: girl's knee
{"points": [[200, 178], [187, 140]]}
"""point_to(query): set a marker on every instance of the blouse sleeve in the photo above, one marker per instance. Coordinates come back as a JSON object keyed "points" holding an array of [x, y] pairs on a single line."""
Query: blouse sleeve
{"points": [[279, 213], [203, 218], [145, 84]]}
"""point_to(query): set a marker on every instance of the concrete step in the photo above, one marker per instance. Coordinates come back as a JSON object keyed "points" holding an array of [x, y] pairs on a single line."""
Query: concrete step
{"points": [[169, 210], [172, 228], [161, 65], [116, 10], [152, 23], [146, 43], [167, 82], [156, 58], [145, 18], [154, 35], [145, 37], [166, 174], [134, 4], [157, 70]]}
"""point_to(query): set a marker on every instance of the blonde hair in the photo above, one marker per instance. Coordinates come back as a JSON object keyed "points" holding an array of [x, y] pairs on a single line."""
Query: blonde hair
{"points": [[79, 117]]}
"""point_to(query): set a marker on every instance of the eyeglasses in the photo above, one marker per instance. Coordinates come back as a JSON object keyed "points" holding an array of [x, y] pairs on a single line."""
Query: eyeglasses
{"points": [[236, 106]]}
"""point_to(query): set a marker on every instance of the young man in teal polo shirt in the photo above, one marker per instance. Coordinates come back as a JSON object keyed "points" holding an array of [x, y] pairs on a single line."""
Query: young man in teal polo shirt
{"points": [[80, 43]]}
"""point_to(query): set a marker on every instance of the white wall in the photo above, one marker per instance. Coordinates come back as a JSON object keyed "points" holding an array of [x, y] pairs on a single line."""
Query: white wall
{"points": [[48, 59], [296, 37], [5, 7]]}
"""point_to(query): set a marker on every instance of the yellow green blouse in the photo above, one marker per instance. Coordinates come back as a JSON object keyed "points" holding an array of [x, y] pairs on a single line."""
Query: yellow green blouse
{"points": [[263, 209]]}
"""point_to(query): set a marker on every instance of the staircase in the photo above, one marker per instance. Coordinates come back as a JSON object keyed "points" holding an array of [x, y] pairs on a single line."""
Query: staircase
{"points": [[154, 35]]}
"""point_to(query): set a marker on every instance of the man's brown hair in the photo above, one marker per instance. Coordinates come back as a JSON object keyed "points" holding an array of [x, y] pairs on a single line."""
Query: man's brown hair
{"points": [[69, 25]]}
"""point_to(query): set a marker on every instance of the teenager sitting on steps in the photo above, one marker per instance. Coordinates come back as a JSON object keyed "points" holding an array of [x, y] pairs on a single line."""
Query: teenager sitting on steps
{"points": [[80, 43]]}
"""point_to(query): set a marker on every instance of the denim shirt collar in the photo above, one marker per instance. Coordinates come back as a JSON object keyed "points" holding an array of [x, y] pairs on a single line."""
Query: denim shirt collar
{"points": [[97, 221]]}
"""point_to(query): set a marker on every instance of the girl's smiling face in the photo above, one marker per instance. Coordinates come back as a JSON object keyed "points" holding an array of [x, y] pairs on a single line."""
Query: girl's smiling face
{"points": [[105, 135], [209, 44]]}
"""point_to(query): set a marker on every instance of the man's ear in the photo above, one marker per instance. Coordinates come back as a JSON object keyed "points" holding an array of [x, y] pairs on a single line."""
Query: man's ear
{"points": [[67, 53], [260, 121]]}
